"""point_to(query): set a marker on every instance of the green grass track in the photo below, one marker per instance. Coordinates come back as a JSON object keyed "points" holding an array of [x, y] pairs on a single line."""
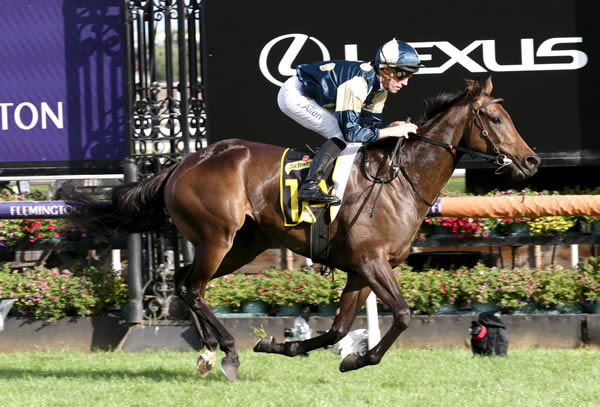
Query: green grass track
{"points": [[404, 378]]}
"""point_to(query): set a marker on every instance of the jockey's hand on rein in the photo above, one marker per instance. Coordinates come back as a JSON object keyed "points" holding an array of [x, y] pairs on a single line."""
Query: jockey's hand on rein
{"points": [[398, 129]]}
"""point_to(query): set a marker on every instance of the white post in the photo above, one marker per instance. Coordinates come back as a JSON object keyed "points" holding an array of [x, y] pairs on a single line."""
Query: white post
{"points": [[574, 255], [116, 261], [372, 321], [5, 306]]}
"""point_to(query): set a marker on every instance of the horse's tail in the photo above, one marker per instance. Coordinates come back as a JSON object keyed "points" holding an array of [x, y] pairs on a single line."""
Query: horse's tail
{"points": [[133, 208]]}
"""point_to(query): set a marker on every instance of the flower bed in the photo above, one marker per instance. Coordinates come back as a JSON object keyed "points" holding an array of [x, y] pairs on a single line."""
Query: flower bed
{"points": [[50, 294], [53, 293], [426, 292], [484, 227], [276, 287], [546, 288]]}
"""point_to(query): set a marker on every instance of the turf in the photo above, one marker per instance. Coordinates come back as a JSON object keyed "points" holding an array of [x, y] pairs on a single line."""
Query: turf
{"points": [[404, 378]]}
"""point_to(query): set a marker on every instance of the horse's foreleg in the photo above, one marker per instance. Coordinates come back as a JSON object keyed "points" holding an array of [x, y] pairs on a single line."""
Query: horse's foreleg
{"points": [[353, 297], [381, 279]]}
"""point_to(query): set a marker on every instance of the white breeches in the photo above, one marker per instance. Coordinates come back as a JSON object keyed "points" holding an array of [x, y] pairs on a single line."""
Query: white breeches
{"points": [[306, 111]]}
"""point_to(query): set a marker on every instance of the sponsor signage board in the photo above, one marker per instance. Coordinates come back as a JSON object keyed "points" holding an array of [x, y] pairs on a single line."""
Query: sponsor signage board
{"points": [[61, 84], [542, 56]]}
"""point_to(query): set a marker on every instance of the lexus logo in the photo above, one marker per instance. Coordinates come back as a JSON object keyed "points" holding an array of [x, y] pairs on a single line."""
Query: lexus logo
{"points": [[533, 58], [285, 65]]}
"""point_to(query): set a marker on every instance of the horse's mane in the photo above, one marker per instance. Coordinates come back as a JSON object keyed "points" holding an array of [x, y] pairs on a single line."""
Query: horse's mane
{"points": [[440, 103], [434, 105]]}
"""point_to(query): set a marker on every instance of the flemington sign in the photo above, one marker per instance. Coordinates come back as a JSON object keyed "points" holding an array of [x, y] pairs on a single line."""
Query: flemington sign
{"points": [[540, 55], [62, 94], [33, 210]]}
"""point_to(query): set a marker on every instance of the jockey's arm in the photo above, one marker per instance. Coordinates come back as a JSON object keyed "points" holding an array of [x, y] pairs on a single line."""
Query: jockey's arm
{"points": [[350, 100], [398, 129]]}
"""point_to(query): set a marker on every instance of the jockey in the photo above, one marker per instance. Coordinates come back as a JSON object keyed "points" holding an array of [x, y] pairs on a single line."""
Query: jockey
{"points": [[343, 101]]}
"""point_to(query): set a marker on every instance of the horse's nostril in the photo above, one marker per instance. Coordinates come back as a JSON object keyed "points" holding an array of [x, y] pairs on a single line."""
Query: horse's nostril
{"points": [[533, 161]]}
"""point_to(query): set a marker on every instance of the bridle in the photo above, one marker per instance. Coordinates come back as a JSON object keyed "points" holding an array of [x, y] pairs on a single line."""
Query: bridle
{"points": [[500, 160]]}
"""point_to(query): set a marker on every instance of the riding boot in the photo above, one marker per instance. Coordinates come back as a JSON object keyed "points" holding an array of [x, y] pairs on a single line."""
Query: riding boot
{"points": [[321, 165]]}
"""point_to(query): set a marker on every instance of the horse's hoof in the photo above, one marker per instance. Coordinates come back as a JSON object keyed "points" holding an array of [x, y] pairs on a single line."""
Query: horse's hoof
{"points": [[205, 363], [229, 370], [264, 345], [350, 362]]}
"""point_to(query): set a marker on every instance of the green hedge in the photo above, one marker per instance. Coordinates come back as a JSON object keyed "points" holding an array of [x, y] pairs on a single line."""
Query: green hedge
{"points": [[54, 293], [426, 291]]}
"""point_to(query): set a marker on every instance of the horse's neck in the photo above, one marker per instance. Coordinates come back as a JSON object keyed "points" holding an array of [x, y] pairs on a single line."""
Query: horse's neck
{"points": [[431, 164]]}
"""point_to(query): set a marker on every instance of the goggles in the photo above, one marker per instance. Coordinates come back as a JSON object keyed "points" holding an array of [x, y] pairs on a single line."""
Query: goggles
{"points": [[401, 74]]}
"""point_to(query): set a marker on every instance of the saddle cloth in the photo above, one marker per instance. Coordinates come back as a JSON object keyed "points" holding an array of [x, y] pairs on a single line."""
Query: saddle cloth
{"points": [[294, 168]]}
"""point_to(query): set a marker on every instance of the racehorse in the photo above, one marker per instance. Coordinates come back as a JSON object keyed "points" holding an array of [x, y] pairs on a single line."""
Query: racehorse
{"points": [[224, 200]]}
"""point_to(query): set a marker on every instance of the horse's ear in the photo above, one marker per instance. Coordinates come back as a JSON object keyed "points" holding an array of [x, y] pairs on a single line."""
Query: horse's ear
{"points": [[488, 85], [473, 88]]}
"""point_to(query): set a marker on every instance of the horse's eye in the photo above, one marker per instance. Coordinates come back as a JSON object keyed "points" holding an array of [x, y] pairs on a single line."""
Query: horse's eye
{"points": [[495, 120]]}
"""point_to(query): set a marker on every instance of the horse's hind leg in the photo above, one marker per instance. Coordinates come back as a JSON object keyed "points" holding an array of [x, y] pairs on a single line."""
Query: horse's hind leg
{"points": [[207, 338], [249, 241], [208, 359], [353, 297], [191, 289]]}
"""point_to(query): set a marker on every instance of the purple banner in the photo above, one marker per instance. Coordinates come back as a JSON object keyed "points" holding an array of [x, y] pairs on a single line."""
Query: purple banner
{"points": [[61, 81], [33, 210]]}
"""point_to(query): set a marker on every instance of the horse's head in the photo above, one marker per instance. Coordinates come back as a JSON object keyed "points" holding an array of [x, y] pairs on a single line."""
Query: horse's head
{"points": [[491, 130]]}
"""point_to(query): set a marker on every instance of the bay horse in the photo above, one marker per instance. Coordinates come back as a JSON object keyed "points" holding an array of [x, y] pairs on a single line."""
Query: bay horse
{"points": [[225, 200]]}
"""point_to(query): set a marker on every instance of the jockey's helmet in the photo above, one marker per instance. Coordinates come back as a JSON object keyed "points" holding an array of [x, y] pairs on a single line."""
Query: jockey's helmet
{"points": [[399, 56]]}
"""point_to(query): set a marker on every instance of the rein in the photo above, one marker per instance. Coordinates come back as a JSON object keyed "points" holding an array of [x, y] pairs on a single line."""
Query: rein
{"points": [[500, 160]]}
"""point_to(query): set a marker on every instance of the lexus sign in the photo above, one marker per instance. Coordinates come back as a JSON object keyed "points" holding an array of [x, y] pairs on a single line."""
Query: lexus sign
{"points": [[576, 59]]}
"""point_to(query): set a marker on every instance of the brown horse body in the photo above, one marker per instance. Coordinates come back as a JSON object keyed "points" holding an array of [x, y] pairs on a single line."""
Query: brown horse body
{"points": [[225, 200]]}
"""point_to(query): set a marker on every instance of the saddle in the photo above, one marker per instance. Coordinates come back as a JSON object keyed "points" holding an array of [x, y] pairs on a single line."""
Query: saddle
{"points": [[294, 169]]}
